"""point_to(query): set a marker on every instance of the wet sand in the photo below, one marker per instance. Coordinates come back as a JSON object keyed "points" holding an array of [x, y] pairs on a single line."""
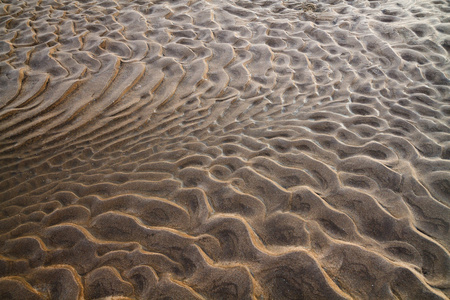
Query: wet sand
{"points": [[224, 149]]}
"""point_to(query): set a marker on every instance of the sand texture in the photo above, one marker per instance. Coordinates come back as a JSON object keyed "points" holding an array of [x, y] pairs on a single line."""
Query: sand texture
{"points": [[212, 149]]}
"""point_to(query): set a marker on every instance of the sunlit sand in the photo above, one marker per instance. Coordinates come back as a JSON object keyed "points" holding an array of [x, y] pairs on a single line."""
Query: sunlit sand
{"points": [[224, 149]]}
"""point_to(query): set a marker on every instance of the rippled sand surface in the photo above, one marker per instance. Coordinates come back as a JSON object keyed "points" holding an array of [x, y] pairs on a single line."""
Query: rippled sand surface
{"points": [[224, 149]]}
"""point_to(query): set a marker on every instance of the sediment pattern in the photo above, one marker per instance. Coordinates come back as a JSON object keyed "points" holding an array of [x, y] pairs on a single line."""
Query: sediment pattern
{"points": [[224, 149]]}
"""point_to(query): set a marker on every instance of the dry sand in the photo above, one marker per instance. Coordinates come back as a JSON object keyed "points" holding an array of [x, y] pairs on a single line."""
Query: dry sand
{"points": [[224, 149]]}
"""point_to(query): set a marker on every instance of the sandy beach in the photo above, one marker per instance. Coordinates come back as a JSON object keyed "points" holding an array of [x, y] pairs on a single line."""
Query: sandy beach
{"points": [[212, 149]]}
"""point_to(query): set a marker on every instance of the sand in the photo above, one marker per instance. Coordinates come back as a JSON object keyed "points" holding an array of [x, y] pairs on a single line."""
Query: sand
{"points": [[224, 149]]}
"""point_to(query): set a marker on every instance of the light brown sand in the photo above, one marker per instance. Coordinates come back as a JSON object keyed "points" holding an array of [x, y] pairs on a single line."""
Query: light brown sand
{"points": [[224, 149]]}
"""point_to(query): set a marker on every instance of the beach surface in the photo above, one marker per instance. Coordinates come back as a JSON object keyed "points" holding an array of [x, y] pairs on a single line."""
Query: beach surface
{"points": [[224, 149]]}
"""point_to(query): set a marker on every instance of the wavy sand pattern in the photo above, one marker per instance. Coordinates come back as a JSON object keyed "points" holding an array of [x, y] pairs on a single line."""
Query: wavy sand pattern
{"points": [[224, 149]]}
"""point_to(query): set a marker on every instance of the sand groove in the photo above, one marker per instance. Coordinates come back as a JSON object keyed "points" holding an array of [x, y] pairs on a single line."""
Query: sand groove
{"points": [[224, 149]]}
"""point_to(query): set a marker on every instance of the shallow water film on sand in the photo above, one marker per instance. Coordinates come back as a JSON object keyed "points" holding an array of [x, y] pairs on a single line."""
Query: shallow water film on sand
{"points": [[224, 149]]}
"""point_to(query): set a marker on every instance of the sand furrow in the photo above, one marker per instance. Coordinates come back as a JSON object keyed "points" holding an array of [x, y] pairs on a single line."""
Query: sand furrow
{"points": [[224, 149]]}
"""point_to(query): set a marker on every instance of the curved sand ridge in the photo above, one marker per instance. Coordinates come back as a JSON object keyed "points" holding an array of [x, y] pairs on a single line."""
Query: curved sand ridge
{"points": [[224, 150]]}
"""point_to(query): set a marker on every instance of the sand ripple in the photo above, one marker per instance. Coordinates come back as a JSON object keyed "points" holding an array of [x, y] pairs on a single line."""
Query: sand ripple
{"points": [[224, 149]]}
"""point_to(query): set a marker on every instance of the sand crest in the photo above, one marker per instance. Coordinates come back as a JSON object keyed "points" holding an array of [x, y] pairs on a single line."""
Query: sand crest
{"points": [[224, 149]]}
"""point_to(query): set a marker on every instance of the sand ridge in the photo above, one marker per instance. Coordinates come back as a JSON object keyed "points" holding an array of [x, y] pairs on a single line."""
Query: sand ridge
{"points": [[224, 149]]}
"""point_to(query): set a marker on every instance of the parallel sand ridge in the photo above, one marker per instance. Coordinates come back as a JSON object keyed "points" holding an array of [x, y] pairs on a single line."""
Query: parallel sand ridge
{"points": [[224, 149]]}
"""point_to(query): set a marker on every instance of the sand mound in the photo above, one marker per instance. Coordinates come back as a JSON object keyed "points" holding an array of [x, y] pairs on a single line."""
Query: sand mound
{"points": [[224, 149]]}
